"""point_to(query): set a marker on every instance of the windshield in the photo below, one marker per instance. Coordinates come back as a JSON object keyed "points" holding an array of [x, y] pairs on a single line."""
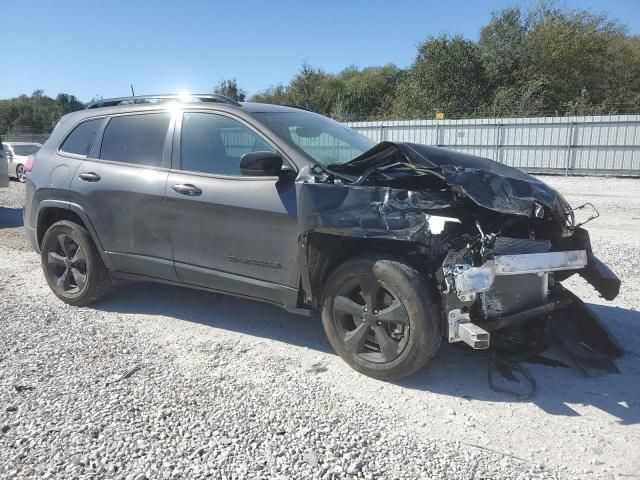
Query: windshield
{"points": [[26, 149], [324, 140]]}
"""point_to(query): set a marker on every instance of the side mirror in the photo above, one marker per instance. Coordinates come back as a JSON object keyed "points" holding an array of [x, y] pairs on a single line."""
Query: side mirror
{"points": [[261, 164]]}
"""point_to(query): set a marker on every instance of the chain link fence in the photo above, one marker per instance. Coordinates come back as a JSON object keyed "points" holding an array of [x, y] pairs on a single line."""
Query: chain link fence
{"points": [[24, 137]]}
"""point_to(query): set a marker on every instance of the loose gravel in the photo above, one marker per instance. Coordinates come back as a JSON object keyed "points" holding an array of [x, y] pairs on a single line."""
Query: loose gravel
{"points": [[163, 382]]}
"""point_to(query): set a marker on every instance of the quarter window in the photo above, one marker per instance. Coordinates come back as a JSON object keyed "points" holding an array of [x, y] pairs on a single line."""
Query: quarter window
{"points": [[215, 144], [137, 139], [80, 139]]}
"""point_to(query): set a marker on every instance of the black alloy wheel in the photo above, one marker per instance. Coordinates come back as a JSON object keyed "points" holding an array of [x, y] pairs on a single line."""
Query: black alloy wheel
{"points": [[372, 322]]}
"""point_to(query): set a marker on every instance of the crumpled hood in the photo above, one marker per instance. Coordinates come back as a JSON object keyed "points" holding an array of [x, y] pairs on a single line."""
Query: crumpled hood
{"points": [[489, 184]]}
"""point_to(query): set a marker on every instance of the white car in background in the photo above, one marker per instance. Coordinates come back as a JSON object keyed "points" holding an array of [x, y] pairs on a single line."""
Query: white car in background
{"points": [[18, 154], [4, 177]]}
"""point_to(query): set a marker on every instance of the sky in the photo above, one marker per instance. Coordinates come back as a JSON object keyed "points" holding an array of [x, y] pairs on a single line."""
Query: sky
{"points": [[98, 48]]}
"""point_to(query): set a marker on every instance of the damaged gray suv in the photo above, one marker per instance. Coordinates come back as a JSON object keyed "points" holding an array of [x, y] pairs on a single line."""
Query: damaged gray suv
{"points": [[398, 246]]}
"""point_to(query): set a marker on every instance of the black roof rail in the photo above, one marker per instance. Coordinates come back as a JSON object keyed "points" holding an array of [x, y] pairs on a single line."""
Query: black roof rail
{"points": [[298, 107], [177, 97]]}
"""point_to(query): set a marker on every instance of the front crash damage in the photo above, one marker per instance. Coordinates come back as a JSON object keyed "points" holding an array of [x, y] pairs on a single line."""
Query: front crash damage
{"points": [[495, 243]]}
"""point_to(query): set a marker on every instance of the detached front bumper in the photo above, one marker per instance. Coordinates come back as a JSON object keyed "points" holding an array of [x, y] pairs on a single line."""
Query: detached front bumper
{"points": [[595, 272]]}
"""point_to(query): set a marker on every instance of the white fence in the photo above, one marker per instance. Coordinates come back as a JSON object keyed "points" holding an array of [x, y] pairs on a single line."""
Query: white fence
{"points": [[600, 145]]}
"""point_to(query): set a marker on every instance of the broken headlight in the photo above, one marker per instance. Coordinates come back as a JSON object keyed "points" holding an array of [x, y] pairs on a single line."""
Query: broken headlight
{"points": [[470, 280]]}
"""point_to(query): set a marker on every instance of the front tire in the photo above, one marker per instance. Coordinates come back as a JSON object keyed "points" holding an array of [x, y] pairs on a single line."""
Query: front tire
{"points": [[72, 265], [380, 317]]}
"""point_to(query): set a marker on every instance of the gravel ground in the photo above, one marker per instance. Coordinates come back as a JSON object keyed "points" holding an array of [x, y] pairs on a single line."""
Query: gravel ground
{"points": [[228, 388]]}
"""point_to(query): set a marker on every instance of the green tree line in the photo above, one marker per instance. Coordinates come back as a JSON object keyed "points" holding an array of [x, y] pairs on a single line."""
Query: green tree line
{"points": [[35, 113], [547, 60]]}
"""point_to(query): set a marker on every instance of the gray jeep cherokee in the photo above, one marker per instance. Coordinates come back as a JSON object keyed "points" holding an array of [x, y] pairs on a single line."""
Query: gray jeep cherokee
{"points": [[396, 245]]}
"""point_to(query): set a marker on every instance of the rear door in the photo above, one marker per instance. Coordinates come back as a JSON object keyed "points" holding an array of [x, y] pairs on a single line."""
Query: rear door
{"points": [[121, 187], [230, 232]]}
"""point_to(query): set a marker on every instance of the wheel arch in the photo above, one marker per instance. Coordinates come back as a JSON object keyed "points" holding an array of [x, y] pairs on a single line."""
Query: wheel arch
{"points": [[52, 211], [321, 253]]}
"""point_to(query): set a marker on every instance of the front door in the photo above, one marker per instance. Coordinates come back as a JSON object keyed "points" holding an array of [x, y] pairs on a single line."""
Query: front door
{"points": [[122, 191], [230, 232]]}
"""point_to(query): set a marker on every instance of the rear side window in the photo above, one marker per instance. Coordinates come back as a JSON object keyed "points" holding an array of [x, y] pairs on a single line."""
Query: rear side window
{"points": [[137, 139], [80, 139], [26, 150]]}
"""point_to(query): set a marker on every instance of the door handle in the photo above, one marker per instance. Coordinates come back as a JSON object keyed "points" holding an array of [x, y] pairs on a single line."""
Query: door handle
{"points": [[187, 189], [90, 177]]}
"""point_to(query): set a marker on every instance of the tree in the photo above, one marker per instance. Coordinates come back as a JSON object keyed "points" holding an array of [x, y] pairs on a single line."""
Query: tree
{"points": [[68, 103], [366, 94], [570, 50], [447, 75], [502, 49], [36, 113], [229, 88], [313, 89], [521, 100], [310, 88], [587, 63], [276, 95]]}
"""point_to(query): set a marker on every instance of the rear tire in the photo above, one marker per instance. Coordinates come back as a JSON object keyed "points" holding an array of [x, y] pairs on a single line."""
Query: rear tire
{"points": [[21, 173], [72, 265], [380, 317]]}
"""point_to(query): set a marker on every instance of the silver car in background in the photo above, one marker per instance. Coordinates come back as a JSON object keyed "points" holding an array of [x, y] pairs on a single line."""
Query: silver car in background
{"points": [[18, 154]]}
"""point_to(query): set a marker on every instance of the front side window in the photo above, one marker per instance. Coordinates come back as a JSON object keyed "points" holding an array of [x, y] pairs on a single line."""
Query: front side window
{"points": [[324, 140], [137, 139], [81, 138], [215, 144]]}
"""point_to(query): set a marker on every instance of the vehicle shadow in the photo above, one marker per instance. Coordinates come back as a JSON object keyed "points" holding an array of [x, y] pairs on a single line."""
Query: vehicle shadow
{"points": [[455, 371], [220, 311], [10, 217], [463, 373]]}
